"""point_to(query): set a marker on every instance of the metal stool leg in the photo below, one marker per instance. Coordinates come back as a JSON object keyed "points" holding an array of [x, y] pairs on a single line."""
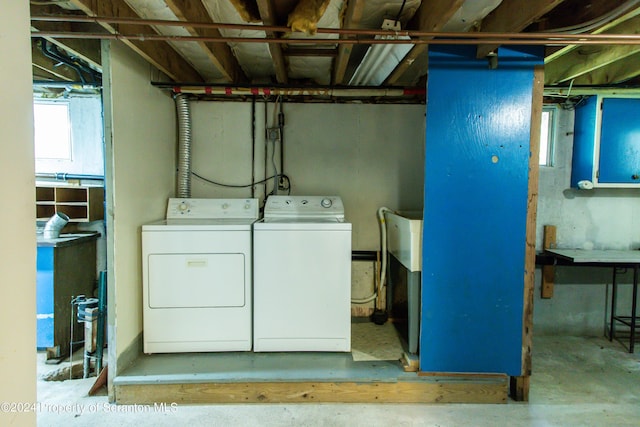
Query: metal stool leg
{"points": [[614, 294], [632, 339]]}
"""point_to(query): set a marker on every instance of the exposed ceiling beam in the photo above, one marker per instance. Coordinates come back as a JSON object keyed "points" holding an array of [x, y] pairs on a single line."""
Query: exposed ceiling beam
{"points": [[42, 74], [432, 15], [607, 28], [512, 16], [268, 17], [616, 72], [310, 52], [158, 53], [86, 50], [219, 53], [585, 59], [351, 20], [59, 71]]}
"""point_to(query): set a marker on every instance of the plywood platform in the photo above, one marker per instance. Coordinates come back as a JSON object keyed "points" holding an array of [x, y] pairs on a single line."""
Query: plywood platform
{"points": [[294, 378]]}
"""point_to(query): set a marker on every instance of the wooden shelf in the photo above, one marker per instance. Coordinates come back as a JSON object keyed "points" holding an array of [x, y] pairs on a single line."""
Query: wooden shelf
{"points": [[80, 204]]}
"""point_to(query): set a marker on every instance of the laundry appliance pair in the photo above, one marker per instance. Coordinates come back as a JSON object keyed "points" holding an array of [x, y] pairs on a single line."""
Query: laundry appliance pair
{"points": [[217, 279]]}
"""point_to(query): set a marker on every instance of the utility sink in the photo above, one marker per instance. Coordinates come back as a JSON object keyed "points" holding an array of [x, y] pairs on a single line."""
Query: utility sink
{"points": [[404, 239], [404, 242]]}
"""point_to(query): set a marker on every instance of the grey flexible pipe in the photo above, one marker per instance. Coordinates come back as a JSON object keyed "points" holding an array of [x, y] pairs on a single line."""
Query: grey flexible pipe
{"points": [[184, 146]]}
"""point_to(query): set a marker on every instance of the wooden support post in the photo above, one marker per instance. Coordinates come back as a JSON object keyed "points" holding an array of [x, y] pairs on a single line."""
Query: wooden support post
{"points": [[548, 271], [519, 388], [520, 384]]}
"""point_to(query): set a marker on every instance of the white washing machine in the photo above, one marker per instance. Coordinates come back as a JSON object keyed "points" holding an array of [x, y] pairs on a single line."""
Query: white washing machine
{"points": [[196, 272], [302, 276]]}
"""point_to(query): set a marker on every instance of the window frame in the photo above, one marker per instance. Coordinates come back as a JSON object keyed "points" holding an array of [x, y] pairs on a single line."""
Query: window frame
{"points": [[549, 160]]}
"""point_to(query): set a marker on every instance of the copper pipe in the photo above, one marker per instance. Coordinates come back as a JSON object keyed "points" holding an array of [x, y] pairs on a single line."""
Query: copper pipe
{"points": [[339, 31], [296, 91], [584, 40]]}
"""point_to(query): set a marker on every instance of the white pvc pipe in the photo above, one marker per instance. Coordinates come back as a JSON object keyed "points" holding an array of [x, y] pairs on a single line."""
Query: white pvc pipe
{"points": [[383, 249]]}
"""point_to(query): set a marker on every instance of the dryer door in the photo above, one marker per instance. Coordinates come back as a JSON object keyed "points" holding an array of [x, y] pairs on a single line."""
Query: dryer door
{"points": [[196, 280]]}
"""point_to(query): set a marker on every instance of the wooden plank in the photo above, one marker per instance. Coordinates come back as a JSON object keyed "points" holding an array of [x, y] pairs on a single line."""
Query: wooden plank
{"points": [[351, 20], [605, 28], [530, 250], [548, 271], [426, 391], [519, 388], [585, 59], [432, 15], [410, 362], [219, 53], [267, 15], [513, 16], [158, 53], [616, 72]]}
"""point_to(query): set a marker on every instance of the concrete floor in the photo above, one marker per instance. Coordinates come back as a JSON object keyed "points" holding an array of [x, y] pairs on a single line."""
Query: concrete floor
{"points": [[576, 382]]}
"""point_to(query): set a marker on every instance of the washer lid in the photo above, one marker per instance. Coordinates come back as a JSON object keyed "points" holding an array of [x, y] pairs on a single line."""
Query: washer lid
{"points": [[310, 207]]}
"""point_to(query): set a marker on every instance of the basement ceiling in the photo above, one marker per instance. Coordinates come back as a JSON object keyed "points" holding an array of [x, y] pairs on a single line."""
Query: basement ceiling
{"points": [[312, 43]]}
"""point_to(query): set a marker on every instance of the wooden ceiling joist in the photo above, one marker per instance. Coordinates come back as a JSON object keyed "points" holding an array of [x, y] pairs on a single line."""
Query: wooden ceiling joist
{"points": [[352, 18], [51, 67], [87, 51], [617, 72], [580, 61], [158, 53], [432, 15], [513, 16], [219, 53], [267, 15]]}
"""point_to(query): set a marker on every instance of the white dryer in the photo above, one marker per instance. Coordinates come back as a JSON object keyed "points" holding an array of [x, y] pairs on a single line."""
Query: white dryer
{"points": [[302, 275], [196, 271]]}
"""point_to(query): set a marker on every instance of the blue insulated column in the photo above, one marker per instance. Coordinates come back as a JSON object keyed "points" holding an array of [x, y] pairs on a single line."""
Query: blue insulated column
{"points": [[476, 185]]}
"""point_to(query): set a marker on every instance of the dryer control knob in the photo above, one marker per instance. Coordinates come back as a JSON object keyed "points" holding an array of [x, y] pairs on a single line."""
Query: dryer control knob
{"points": [[326, 203]]}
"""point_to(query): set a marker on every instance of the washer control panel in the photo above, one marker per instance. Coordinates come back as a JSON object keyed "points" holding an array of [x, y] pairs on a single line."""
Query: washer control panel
{"points": [[304, 207], [212, 208]]}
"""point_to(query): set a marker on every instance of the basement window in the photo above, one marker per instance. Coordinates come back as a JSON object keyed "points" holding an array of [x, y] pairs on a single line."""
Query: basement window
{"points": [[547, 135], [52, 130]]}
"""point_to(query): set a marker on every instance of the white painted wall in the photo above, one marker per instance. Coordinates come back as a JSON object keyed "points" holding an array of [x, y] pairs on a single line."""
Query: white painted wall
{"points": [[140, 148], [17, 229], [589, 219], [370, 155]]}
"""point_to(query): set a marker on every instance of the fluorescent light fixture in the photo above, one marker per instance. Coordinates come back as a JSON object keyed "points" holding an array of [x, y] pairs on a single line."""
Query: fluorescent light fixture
{"points": [[381, 59]]}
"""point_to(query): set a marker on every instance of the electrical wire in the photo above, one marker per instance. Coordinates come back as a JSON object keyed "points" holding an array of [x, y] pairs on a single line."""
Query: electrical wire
{"points": [[400, 11], [210, 181]]}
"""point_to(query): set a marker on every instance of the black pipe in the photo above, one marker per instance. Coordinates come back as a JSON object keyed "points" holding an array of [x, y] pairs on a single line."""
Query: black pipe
{"points": [[281, 126], [51, 51], [266, 152], [364, 256], [253, 145]]}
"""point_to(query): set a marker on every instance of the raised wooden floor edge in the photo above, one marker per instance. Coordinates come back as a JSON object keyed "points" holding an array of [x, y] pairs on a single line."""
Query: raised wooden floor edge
{"points": [[441, 391]]}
